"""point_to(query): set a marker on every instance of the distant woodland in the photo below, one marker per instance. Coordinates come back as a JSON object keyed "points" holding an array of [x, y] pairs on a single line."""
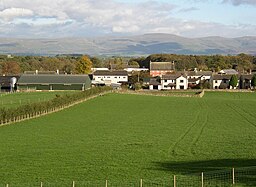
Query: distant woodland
{"points": [[69, 64]]}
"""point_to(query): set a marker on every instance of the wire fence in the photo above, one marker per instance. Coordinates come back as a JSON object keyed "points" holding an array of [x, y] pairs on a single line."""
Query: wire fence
{"points": [[240, 177]]}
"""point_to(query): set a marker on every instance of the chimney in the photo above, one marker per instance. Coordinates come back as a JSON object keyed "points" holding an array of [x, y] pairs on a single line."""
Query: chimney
{"points": [[195, 70], [173, 65], [57, 72], [36, 72], [250, 71]]}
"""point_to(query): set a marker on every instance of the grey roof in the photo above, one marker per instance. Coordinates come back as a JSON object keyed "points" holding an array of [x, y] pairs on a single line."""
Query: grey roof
{"points": [[110, 73], [223, 77], [246, 77], [229, 71], [161, 66], [173, 76], [53, 79], [199, 73], [154, 82]]}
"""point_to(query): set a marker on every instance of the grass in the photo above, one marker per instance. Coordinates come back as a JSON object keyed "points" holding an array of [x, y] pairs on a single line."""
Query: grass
{"points": [[128, 137], [21, 98]]}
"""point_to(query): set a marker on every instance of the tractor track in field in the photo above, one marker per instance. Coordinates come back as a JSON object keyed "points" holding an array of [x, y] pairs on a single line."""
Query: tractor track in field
{"points": [[204, 124], [182, 137], [252, 124], [245, 111]]}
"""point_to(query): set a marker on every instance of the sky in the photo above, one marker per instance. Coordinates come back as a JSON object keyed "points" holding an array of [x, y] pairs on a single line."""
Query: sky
{"points": [[94, 18]]}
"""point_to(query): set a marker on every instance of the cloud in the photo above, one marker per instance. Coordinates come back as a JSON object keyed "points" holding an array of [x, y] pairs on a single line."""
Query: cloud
{"points": [[11, 13], [240, 2], [188, 9], [68, 18]]}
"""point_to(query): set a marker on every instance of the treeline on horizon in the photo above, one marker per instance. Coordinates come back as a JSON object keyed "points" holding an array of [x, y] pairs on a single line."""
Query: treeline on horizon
{"points": [[67, 64]]}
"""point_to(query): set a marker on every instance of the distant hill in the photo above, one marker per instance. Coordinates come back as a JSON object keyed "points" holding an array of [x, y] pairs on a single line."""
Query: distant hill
{"points": [[129, 45]]}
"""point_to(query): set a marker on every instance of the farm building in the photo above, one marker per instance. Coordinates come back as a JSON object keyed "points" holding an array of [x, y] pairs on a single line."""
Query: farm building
{"points": [[53, 82], [8, 83], [110, 77], [161, 68]]}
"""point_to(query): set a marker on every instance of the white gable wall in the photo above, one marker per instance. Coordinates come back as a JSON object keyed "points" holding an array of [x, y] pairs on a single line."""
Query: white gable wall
{"points": [[181, 83]]}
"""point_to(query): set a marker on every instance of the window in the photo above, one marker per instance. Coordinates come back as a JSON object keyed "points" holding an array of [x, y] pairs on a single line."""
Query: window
{"points": [[115, 77], [124, 77], [165, 80], [216, 81], [181, 81], [225, 81]]}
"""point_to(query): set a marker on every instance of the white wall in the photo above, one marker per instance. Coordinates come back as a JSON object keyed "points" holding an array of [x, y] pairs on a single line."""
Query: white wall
{"points": [[111, 78], [181, 81]]}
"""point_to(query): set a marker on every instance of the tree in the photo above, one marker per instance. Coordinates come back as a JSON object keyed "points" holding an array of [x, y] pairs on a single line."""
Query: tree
{"points": [[11, 68], [233, 81], [96, 62], [84, 65], [253, 82]]}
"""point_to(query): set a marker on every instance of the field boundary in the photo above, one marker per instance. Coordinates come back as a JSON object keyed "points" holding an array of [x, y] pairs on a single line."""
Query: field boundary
{"points": [[244, 176], [49, 111], [162, 93]]}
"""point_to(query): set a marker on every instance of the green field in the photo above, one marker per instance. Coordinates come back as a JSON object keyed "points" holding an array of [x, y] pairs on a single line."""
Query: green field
{"points": [[21, 98], [124, 138]]}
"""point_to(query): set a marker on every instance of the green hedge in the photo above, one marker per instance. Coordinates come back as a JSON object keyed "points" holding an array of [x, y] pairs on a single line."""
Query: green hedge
{"points": [[8, 115]]}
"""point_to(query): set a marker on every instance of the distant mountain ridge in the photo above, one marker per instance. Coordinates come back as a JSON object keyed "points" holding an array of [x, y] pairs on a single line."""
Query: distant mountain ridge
{"points": [[130, 45]]}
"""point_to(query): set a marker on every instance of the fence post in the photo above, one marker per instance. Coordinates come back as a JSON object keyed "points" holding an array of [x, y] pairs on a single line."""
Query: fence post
{"points": [[41, 184], [106, 183], [202, 179], [141, 183], [233, 176], [73, 184], [7, 185], [174, 181]]}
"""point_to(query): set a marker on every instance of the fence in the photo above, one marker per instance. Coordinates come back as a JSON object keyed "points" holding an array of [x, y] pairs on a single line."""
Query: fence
{"points": [[240, 177]]}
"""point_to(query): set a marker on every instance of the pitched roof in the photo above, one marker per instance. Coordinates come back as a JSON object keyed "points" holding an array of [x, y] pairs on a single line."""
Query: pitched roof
{"points": [[53, 79], [111, 73], [246, 77], [223, 77], [199, 73], [161, 66], [229, 71], [174, 76], [154, 82]]}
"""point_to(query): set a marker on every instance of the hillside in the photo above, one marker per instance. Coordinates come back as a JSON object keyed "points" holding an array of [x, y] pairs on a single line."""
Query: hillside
{"points": [[129, 45]]}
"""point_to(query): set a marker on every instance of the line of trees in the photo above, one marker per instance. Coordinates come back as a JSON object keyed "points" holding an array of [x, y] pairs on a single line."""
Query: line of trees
{"points": [[8, 115], [73, 64]]}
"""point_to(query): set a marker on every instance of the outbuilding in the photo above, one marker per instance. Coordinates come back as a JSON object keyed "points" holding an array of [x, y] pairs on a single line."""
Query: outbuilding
{"points": [[53, 82]]}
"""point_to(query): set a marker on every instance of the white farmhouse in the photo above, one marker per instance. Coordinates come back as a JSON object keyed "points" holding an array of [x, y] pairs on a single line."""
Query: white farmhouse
{"points": [[174, 81], [110, 77]]}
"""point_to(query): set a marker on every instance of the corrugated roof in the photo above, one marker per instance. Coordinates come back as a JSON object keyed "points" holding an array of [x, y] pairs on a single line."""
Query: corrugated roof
{"points": [[161, 66], [53, 79], [111, 73]]}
